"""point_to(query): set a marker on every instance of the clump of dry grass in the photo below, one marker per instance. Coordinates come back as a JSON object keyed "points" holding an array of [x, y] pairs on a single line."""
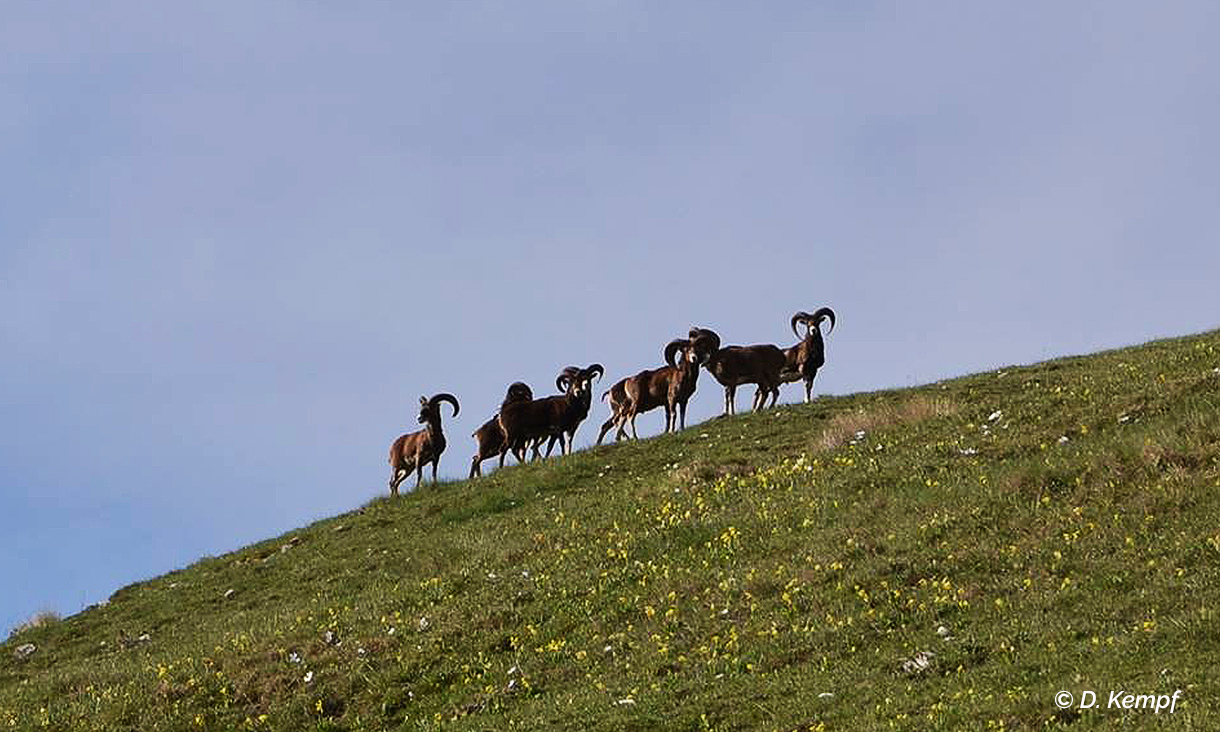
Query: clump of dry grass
{"points": [[704, 471], [844, 426], [41, 618]]}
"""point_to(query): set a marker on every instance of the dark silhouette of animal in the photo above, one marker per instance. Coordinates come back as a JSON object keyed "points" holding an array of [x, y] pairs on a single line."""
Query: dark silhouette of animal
{"points": [[803, 360], [535, 419], [733, 366], [573, 417], [490, 437]]}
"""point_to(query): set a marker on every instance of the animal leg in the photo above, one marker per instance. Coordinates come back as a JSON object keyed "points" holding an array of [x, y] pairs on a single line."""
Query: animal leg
{"points": [[809, 386], [606, 428], [396, 478]]}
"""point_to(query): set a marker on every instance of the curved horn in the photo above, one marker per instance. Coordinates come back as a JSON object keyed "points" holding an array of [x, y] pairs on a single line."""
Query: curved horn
{"points": [[824, 313], [594, 368], [672, 348], [566, 377], [445, 397], [801, 317], [705, 334]]}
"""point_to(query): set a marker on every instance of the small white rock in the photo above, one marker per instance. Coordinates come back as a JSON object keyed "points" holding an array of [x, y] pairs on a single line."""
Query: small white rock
{"points": [[622, 702], [919, 663], [995, 415], [308, 676], [1063, 439], [25, 650], [423, 623], [229, 593], [825, 695]]}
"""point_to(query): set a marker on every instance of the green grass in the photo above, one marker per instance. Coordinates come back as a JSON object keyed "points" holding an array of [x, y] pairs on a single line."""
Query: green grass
{"points": [[767, 571]]}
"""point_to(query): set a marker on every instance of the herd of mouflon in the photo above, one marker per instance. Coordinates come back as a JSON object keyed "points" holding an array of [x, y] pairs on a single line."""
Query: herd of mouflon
{"points": [[525, 422]]}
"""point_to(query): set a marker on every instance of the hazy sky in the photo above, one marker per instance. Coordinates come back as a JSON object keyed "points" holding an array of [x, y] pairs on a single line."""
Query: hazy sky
{"points": [[239, 240]]}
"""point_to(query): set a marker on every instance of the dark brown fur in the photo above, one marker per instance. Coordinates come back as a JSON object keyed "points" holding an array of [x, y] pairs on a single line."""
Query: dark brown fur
{"points": [[527, 421], [733, 366], [803, 360], [490, 437], [670, 387]]}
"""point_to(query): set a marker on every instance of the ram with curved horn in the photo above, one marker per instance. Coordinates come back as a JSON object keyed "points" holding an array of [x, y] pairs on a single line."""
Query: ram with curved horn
{"points": [[489, 437], [525, 421], [803, 360], [414, 450], [670, 386], [570, 422], [733, 366]]}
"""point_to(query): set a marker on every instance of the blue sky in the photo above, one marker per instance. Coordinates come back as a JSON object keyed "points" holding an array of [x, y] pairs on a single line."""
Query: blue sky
{"points": [[238, 241]]}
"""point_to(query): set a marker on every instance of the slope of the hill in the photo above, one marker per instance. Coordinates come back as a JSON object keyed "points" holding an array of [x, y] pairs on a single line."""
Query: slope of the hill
{"points": [[945, 557]]}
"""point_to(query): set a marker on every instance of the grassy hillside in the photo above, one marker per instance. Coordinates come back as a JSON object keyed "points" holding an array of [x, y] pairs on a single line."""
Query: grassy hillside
{"points": [[1035, 529]]}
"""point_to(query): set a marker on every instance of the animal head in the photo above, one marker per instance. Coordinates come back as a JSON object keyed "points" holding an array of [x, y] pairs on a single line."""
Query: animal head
{"points": [[518, 391], [430, 409], [690, 351], [577, 381], [813, 322], [705, 341]]}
